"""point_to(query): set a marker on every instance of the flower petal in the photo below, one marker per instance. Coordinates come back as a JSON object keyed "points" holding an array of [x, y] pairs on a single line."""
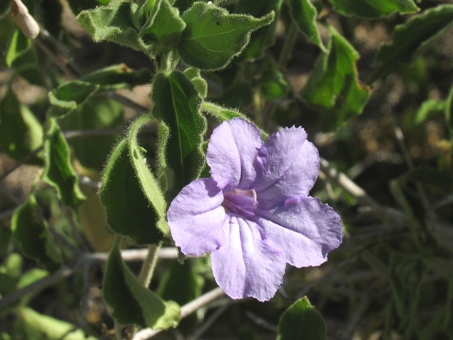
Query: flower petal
{"points": [[304, 228], [232, 149], [246, 265], [287, 165], [196, 218]]}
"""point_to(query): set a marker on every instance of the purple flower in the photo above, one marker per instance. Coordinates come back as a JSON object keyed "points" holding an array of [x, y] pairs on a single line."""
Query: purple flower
{"points": [[254, 215]]}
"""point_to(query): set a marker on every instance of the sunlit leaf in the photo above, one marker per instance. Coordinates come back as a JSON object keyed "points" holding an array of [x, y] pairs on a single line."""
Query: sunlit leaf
{"points": [[19, 44], [176, 103], [213, 37], [148, 181], [69, 96], [33, 325], [304, 15], [373, 9], [301, 321], [333, 86], [131, 302], [114, 23], [411, 39], [58, 169], [193, 74], [128, 210], [429, 108], [167, 28]]}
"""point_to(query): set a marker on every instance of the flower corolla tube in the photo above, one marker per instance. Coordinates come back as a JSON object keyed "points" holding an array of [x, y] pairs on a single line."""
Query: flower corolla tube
{"points": [[254, 215]]}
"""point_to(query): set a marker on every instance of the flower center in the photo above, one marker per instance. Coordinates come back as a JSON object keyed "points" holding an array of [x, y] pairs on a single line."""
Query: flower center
{"points": [[239, 201]]}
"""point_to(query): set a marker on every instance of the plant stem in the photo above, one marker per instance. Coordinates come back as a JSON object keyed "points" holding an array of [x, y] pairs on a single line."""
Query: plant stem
{"points": [[149, 264]]}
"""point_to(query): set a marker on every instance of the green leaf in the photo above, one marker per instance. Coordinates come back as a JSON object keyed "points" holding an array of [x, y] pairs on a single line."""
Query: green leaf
{"points": [[373, 9], [428, 108], [304, 15], [97, 113], [264, 37], [177, 103], [167, 28], [145, 14], [117, 77], [34, 326], [70, 95], [301, 321], [20, 132], [19, 44], [30, 232], [58, 170], [273, 84], [194, 75], [411, 39], [213, 37], [114, 23], [128, 210], [148, 182], [170, 287], [333, 86], [131, 302], [449, 110]]}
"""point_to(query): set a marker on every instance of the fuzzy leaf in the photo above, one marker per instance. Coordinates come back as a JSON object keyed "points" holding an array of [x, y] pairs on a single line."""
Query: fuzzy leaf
{"points": [[193, 74], [373, 9], [213, 37], [167, 28], [148, 182], [114, 23], [333, 86], [177, 103], [301, 321], [304, 15], [131, 302], [411, 39], [128, 210], [58, 170]]}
